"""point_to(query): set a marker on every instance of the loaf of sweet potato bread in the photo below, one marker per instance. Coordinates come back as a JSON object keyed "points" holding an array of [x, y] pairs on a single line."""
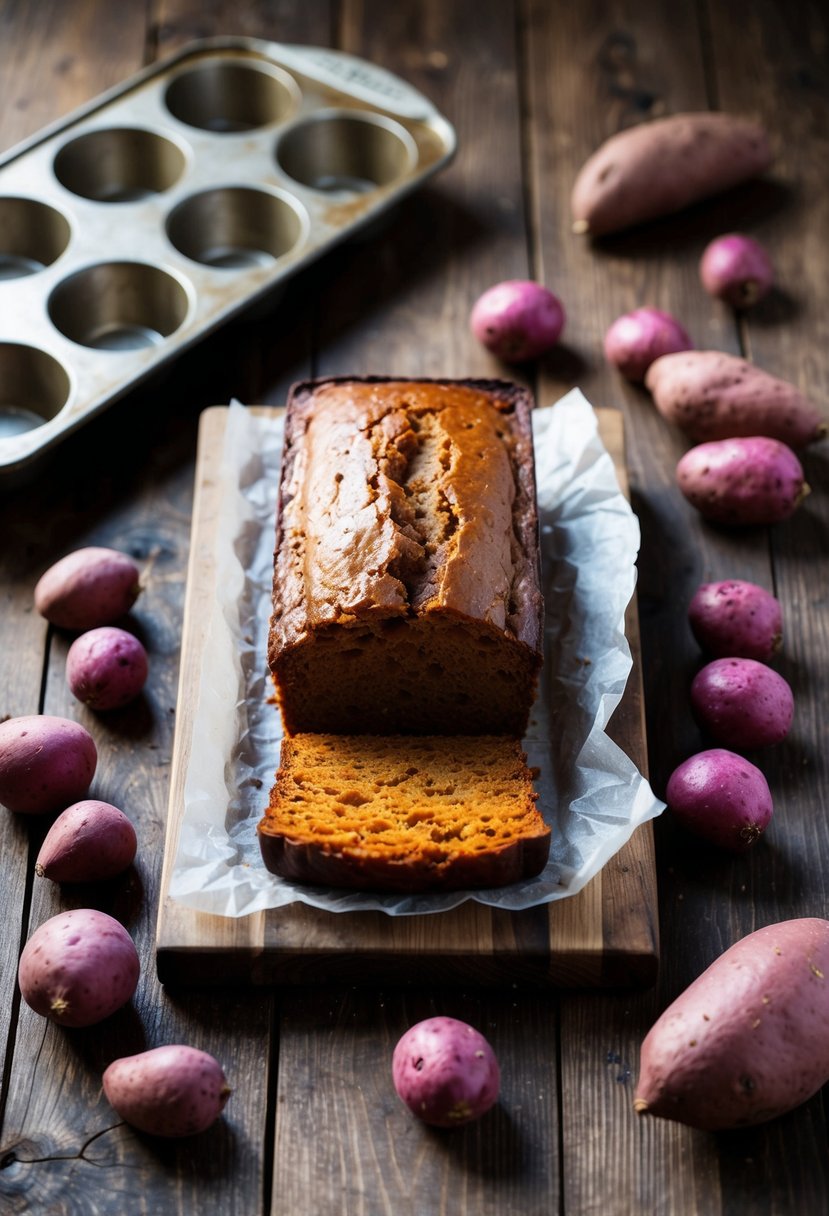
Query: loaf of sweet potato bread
{"points": [[406, 595], [403, 813]]}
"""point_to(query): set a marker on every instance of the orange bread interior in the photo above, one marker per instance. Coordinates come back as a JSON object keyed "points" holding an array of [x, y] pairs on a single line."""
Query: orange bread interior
{"points": [[403, 813]]}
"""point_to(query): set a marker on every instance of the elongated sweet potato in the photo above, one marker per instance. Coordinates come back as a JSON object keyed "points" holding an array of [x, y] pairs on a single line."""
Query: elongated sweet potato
{"points": [[87, 588], [747, 1040], [173, 1090], [712, 395], [662, 166]]}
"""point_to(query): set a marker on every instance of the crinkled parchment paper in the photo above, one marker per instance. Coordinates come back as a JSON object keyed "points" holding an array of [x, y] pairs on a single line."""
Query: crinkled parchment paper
{"points": [[589, 790]]}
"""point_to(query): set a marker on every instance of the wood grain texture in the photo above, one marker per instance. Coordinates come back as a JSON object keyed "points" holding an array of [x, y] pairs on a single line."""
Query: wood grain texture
{"points": [[314, 1125], [39, 80], [355, 1150], [621, 76], [63, 1149], [563, 943]]}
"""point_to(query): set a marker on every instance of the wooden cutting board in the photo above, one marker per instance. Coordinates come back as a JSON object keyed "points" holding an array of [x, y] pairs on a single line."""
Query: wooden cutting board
{"points": [[605, 935]]}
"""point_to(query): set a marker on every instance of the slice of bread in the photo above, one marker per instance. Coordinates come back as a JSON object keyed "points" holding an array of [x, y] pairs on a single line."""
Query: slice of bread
{"points": [[403, 813]]}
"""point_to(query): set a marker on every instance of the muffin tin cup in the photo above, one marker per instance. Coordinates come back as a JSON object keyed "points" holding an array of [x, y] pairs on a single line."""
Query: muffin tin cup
{"points": [[132, 228]]}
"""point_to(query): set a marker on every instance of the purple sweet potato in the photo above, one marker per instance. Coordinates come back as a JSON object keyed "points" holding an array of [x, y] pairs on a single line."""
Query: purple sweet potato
{"points": [[712, 395], [721, 797], [87, 588], [168, 1091], [518, 319], [446, 1072], [78, 967], [664, 165], [106, 668], [636, 338], [45, 763], [742, 481], [742, 704], [735, 618], [747, 1040], [88, 842], [737, 269]]}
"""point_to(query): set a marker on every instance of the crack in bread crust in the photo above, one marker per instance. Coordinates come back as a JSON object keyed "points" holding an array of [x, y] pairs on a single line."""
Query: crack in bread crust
{"points": [[411, 501]]}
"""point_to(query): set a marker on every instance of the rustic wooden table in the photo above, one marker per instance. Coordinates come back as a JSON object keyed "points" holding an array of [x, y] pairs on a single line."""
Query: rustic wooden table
{"points": [[314, 1126]]}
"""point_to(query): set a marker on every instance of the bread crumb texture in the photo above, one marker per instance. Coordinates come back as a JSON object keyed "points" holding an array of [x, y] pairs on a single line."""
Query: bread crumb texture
{"points": [[404, 813]]}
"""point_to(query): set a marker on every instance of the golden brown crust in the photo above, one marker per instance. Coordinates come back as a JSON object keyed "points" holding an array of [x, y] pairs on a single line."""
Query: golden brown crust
{"points": [[407, 503]]}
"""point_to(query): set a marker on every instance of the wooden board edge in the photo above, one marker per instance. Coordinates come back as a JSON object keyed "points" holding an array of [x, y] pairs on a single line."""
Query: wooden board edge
{"points": [[627, 931], [194, 947], [179, 928]]}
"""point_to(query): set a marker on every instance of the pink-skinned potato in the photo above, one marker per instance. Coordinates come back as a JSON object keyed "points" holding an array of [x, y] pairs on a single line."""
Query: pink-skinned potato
{"points": [[446, 1072], [45, 763], [662, 166], [88, 842], [720, 797], [747, 1041], [742, 481], [78, 967], [517, 319], [709, 394], [106, 668], [87, 588], [637, 338], [742, 704], [170, 1091], [736, 618], [737, 269]]}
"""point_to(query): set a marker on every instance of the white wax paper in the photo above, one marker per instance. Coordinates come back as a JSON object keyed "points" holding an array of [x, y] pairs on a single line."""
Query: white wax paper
{"points": [[589, 791]]}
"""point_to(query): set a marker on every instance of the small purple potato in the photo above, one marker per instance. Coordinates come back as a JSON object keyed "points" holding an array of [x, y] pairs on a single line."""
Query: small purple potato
{"points": [[747, 1040], [737, 269], [752, 480], [167, 1091], [87, 588], [78, 967], [106, 668], [742, 703], [712, 395], [517, 320], [736, 619], [446, 1072], [636, 338], [721, 797], [45, 762], [661, 166], [88, 842]]}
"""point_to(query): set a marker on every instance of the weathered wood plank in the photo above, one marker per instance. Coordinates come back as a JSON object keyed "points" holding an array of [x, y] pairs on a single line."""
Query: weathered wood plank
{"points": [[592, 73], [354, 1148], [773, 64], [706, 902], [402, 307], [399, 302], [40, 79], [130, 486]]}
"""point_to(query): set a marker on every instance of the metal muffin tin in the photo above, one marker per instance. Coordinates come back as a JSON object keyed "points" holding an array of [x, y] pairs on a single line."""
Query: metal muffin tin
{"points": [[140, 222]]}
